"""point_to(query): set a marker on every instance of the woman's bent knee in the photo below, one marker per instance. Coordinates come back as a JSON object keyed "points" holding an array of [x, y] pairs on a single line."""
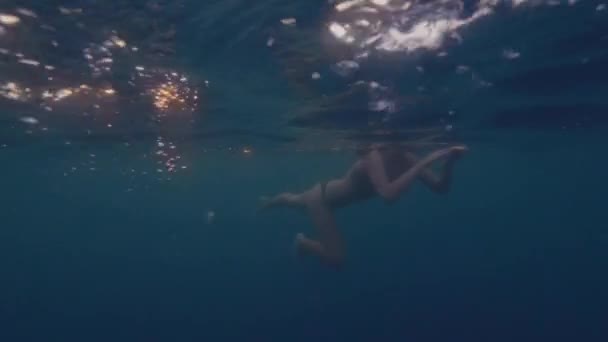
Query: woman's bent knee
{"points": [[313, 196]]}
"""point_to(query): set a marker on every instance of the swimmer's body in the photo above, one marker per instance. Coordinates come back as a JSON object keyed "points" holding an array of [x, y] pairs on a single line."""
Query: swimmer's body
{"points": [[382, 170]]}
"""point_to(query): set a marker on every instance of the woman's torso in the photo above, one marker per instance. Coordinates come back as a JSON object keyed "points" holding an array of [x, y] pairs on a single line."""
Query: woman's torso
{"points": [[357, 185]]}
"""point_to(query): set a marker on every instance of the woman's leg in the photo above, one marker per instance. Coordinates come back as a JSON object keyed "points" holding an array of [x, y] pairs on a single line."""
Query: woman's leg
{"points": [[390, 190], [285, 199], [330, 245]]}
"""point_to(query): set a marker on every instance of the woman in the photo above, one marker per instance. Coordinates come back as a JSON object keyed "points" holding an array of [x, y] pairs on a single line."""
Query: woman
{"points": [[382, 170]]}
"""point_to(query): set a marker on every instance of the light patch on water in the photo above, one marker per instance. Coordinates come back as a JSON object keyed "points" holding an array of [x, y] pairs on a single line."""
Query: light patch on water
{"points": [[9, 19], [29, 120], [382, 105], [510, 54], [428, 34], [100, 57], [69, 11], [345, 68], [363, 23], [168, 157], [461, 69], [108, 91], [521, 3], [367, 9], [288, 21], [62, 94], [83, 93], [409, 25], [27, 12], [345, 5], [30, 62], [115, 41], [457, 37], [13, 91], [168, 95], [337, 30], [380, 2]]}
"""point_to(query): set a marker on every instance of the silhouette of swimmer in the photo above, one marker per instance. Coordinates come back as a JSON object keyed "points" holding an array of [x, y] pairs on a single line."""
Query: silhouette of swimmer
{"points": [[384, 170]]}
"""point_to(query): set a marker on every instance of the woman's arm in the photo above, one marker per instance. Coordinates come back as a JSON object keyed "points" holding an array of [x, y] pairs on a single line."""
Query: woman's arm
{"points": [[391, 190]]}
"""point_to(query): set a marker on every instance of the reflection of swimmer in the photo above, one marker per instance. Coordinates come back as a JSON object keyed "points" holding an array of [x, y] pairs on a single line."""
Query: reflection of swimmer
{"points": [[384, 170]]}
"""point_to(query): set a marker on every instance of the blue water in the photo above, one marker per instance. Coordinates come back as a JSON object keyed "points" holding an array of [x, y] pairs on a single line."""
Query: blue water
{"points": [[128, 215]]}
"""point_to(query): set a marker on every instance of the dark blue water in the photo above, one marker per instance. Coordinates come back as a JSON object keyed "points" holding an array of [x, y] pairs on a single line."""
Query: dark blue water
{"points": [[132, 168]]}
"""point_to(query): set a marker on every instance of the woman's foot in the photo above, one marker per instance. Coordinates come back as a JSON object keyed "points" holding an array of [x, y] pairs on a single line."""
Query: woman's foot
{"points": [[454, 154], [457, 151], [267, 202]]}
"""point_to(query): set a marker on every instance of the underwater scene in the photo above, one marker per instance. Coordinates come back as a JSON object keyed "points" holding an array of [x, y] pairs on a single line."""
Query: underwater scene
{"points": [[288, 170]]}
